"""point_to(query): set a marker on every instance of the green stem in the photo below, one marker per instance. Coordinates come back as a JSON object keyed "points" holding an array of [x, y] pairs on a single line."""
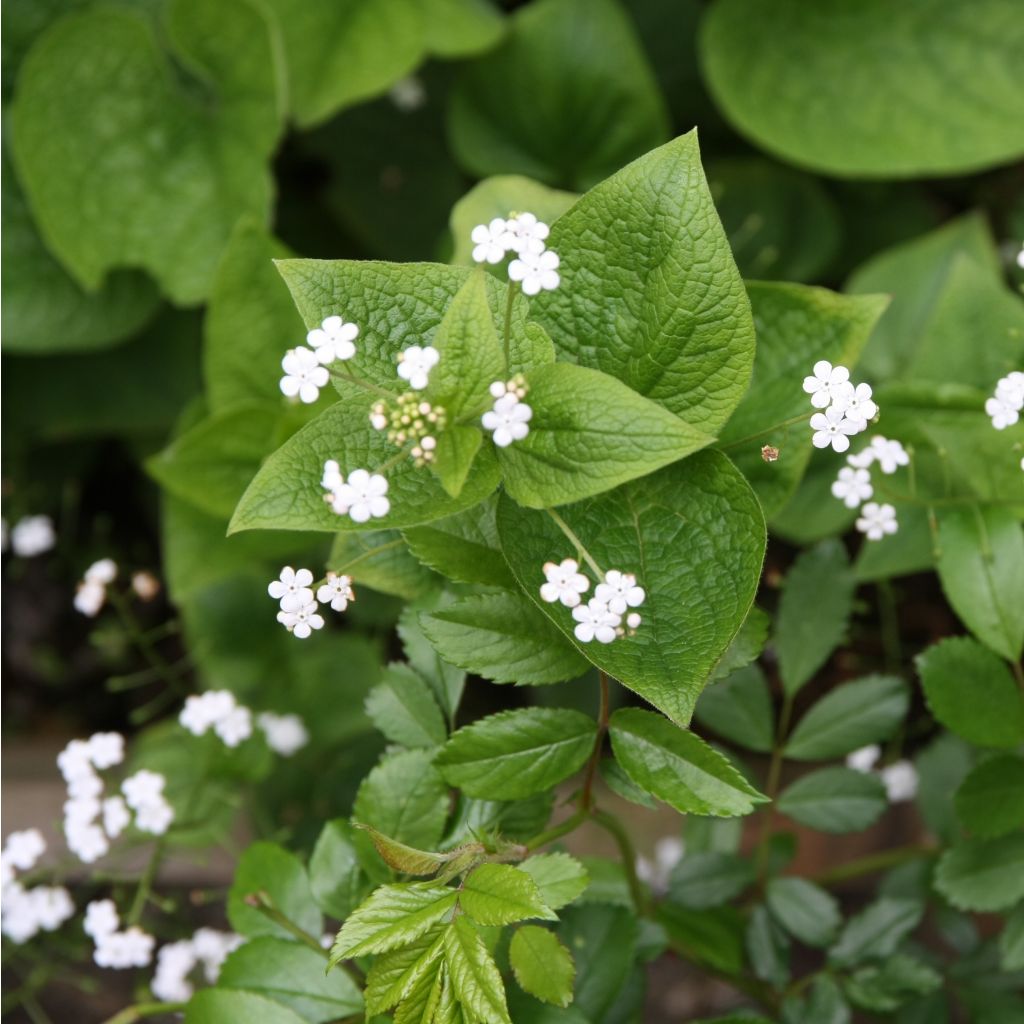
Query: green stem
{"points": [[557, 831], [508, 325], [139, 1011], [874, 862], [146, 883], [360, 382], [580, 549], [141, 640], [1018, 673], [587, 792], [802, 418], [627, 852], [889, 617], [772, 785], [262, 902]]}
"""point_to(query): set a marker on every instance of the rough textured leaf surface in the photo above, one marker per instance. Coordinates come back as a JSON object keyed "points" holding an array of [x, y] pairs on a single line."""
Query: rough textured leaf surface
{"points": [[497, 894]]}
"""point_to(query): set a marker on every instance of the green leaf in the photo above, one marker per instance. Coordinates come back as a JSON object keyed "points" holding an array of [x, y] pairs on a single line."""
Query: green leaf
{"points": [[513, 754], [678, 767], [474, 975], [454, 455], [224, 1006], [941, 768], [559, 877], [804, 909], [498, 197], [990, 802], [502, 637], [196, 136], [497, 894], [602, 940], [270, 869], [422, 1003], [403, 708], [739, 709], [393, 916], [981, 567], [851, 716], [609, 109], [951, 107], [337, 869], [1011, 942], [834, 800], [746, 645], [404, 858], [768, 949], [971, 691], [381, 560], [876, 931], [713, 937], [589, 433], [824, 1005], [457, 28], [890, 985], [405, 798], [542, 965], [817, 598], [445, 680], [395, 975], [654, 297], [622, 785], [293, 975], [684, 531], [709, 879], [983, 874]]}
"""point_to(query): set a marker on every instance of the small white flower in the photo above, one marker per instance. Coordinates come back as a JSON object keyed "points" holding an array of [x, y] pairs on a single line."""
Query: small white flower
{"points": [[408, 94], [827, 384], [142, 788], [853, 486], [87, 842], [831, 427], [20, 922], [633, 620], [857, 404], [120, 950], [332, 340], [1010, 390], [595, 621], [90, 598], [145, 585], [537, 271], [564, 583], [103, 572], [528, 233], [81, 810], [292, 588], [491, 241], [508, 420], [302, 620], [889, 455], [106, 749], [212, 948], [202, 711], [337, 591], [900, 781], [174, 963], [74, 761], [101, 919], [332, 478], [303, 375], [364, 496], [286, 734], [115, 816], [234, 727], [23, 849], [1001, 414], [415, 364], [877, 520], [863, 759], [32, 536], [619, 591], [1020, 258], [155, 817], [53, 906]]}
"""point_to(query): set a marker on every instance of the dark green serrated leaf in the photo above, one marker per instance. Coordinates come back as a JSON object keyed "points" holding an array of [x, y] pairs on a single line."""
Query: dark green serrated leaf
{"points": [[990, 802], [403, 708], [834, 800], [542, 965], [445, 680], [983, 874], [739, 708], [474, 974]]}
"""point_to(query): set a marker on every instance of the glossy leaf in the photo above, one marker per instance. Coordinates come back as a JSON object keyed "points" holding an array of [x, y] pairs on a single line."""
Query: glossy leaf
{"points": [[804, 909], [739, 709], [403, 708], [834, 800], [474, 974], [268, 868], [497, 894], [559, 877], [542, 965]]}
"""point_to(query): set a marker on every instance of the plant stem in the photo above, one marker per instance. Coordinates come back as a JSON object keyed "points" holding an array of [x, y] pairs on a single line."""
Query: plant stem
{"points": [[802, 418], [890, 627], [587, 792], [580, 549], [1018, 672], [772, 784], [614, 828], [557, 831], [262, 902], [874, 862], [141, 640], [360, 382], [139, 1011], [508, 325], [146, 883]]}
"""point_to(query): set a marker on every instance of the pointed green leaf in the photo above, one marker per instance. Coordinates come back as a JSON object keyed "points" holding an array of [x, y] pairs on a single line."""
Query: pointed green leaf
{"points": [[559, 877], [834, 800], [393, 975], [422, 1000], [768, 948], [496, 894], [804, 909], [739, 708], [474, 974], [404, 858], [602, 940], [404, 709], [709, 878], [270, 869], [1011, 942], [227, 1006], [876, 931], [542, 965], [381, 560], [342, 869], [454, 456], [983, 874], [990, 802], [746, 645]]}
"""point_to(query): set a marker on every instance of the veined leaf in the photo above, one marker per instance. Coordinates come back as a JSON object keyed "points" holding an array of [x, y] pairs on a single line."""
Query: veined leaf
{"points": [[404, 858], [983, 874], [393, 975], [475, 978], [497, 894], [559, 877], [542, 965], [403, 708], [834, 800]]}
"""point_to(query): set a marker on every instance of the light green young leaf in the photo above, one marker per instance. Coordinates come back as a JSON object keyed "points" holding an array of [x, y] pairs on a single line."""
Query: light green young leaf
{"points": [[454, 456], [950, 108], [693, 535], [653, 296], [226, 1006], [990, 802], [817, 598], [678, 767], [609, 108], [457, 28], [343, 868], [497, 894], [403, 708], [981, 568], [589, 433], [198, 161], [559, 877], [502, 637], [474, 974], [804, 909], [983, 874], [381, 560], [739, 708], [404, 858], [513, 754], [394, 975], [971, 692], [876, 931], [269, 868], [542, 965], [423, 1001], [834, 800], [851, 716]]}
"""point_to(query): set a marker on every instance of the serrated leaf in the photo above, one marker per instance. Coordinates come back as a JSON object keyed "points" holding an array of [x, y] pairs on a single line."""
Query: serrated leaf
{"points": [[834, 800], [227, 1006], [850, 716], [990, 802], [513, 754], [393, 975], [678, 767], [381, 560], [983, 874], [338, 869], [421, 1002], [709, 879], [404, 858], [1011, 942], [474, 975], [559, 877], [739, 708], [502, 637], [622, 785], [542, 965], [269, 868], [497, 894], [890, 985], [602, 940], [683, 531], [804, 909], [876, 931], [403, 708]]}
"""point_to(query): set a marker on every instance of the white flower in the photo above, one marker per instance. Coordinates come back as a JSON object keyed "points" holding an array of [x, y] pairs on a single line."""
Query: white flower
{"points": [[292, 588], [143, 788], [145, 585], [101, 919], [363, 495], [827, 383], [332, 478], [174, 963], [408, 94], [90, 598], [302, 620], [633, 620], [877, 520], [857, 404], [201, 712], [595, 621], [619, 591], [831, 427], [119, 950], [528, 233], [537, 271], [103, 572], [212, 948], [508, 420], [1020, 258], [234, 727], [863, 759], [415, 364], [337, 591], [1010, 390], [889, 455], [74, 761], [22, 850], [155, 817], [106, 749], [81, 810], [853, 486], [668, 852], [53, 906], [286, 734], [115, 816], [564, 583], [32, 536], [20, 922], [1001, 414], [332, 340], [87, 842], [900, 781], [491, 241], [303, 374]]}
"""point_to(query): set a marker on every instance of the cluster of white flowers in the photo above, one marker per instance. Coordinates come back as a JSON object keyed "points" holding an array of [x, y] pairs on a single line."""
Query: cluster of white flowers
{"points": [[113, 948], [409, 420], [300, 613], [848, 407], [26, 912], [899, 778], [535, 266], [305, 369], [415, 364], [286, 734], [144, 794], [509, 417], [1006, 403], [853, 485], [31, 536], [91, 594], [601, 617], [668, 852], [232, 722], [175, 961], [362, 497]]}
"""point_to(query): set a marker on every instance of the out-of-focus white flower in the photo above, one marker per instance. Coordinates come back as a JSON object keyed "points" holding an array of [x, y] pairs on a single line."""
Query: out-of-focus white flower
{"points": [[853, 486], [120, 950], [877, 520], [90, 598], [33, 536], [145, 585], [408, 94], [863, 759], [235, 727], [106, 749], [23, 849], [286, 734], [101, 919], [889, 455], [900, 781], [115, 816], [174, 963], [103, 572]]}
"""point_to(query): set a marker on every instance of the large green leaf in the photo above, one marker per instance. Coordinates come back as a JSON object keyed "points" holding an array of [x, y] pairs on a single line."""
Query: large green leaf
{"points": [[679, 767], [804, 909], [176, 163], [381, 560], [876, 931], [497, 894], [869, 90], [834, 800], [339, 868], [395, 975], [983, 874], [650, 293], [693, 535], [403, 708], [226, 1006], [542, 965], [268, 868], [474, 974], [513, 754], [605, 109], [990, 802], [559, 877], [739, 708]]}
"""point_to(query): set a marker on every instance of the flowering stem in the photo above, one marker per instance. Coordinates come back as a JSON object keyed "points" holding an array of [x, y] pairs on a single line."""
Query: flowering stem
{"points": [[139, 1011], [874, 862], [360, 382], [587, 792], [802, 418], [772, 784], [614, 828], [146, 883], [262, 902], [580, 549], [368, 554], [511, 297], [143, 642]]}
